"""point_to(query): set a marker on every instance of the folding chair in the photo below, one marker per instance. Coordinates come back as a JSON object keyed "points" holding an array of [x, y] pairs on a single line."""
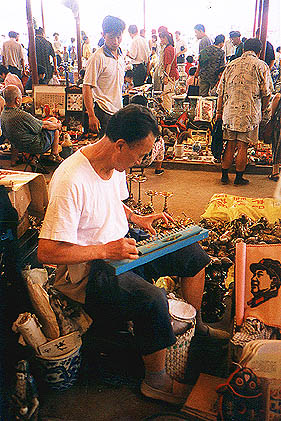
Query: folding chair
{"points": [[33, 161]]}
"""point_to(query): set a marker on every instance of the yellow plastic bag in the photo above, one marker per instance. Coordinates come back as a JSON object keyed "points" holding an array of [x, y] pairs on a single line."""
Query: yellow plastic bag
{"points": [[226, 207]]}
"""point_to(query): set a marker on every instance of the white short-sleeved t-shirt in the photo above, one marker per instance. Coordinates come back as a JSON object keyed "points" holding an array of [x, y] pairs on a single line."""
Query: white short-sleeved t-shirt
{"points": [[84, 209], [105, 74]]}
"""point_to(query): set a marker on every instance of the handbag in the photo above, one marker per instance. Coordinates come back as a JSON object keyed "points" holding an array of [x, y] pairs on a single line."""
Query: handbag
{"points": [[193, 90], [217, 140]]}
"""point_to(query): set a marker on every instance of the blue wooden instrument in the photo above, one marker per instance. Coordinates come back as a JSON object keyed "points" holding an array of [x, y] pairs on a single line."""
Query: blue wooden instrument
{"points": [[160, 245]]}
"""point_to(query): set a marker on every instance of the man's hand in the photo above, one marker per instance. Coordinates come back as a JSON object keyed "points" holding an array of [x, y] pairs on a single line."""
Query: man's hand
{"points": [[125, 248], [94, 124], [146, 221]]}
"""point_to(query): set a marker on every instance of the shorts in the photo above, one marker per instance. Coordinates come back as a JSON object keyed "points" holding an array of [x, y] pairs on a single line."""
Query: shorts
{"points": [[251, 136], [48, 137], [111, 300]]}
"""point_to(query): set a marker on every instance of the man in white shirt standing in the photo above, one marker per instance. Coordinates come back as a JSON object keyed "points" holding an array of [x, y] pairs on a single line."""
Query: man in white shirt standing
{"points": [[12, 54], [104, 77], [139, 55], [181, 48]]}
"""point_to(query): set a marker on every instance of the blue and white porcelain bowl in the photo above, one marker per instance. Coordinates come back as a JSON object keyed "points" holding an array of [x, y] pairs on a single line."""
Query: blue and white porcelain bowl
{"points": [[60, 373]]}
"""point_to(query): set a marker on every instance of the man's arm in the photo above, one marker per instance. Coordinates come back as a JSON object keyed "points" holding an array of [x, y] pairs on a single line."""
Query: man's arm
{"points": [[22, 65], [265, 102], [58, 252], [197, 70], [219, 108], [271, 64], [265, 109], [94, 123], [4, 54], [51, 125]]}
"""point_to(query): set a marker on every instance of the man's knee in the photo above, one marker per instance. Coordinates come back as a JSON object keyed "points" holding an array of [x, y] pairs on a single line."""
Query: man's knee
{"points": [[242, 146], [53, 119], [156, 299]]}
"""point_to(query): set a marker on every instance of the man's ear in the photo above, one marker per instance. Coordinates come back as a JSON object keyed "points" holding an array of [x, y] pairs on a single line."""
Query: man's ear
{"points": [[119, 144]]}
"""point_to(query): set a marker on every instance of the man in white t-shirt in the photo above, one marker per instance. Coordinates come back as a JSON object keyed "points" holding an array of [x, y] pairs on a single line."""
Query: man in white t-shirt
{"points": [[139, 55], [86, 222], [104, 77]]}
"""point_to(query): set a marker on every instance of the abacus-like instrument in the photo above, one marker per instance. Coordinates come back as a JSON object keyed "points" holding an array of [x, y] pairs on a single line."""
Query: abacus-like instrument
{"points": [[159, 245]]}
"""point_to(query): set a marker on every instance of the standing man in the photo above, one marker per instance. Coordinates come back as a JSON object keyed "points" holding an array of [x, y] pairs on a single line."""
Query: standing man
{"points": [[269, 57], [57, 48], [211, 60], [12, 55], [229, 49], [86, 223], [243, 96], [181, 48], [235, 37], [200, 34], [104, 77], [44, 51], [139, 55]]}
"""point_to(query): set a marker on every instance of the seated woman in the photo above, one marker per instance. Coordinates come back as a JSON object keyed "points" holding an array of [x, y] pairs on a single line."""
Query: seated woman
{"points": [[9, 79], [25, 132]]}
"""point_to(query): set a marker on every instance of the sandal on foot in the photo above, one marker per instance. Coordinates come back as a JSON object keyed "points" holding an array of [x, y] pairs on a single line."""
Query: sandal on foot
{"points": [[177, 396], [56, 158], [274, 177]]}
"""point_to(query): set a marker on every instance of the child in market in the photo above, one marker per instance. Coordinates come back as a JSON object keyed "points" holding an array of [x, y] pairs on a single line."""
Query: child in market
{"points": [[191, 77], [127, 86]]}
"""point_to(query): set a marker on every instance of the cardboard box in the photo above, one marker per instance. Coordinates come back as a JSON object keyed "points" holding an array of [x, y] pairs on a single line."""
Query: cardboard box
{"points": [[23, 225], [28, 194]]}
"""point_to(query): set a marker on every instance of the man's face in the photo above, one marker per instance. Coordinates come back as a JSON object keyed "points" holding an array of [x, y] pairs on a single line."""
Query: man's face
{"points": [[128, 156], [260, 281], [177, 36], [198, 34], [112, 40], [236, 40]]}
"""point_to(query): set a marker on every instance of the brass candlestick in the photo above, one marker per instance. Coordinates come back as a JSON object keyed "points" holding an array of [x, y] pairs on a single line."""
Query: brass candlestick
{"points": [[130, 201], [166, 195], [139, 179], [151, 194]]}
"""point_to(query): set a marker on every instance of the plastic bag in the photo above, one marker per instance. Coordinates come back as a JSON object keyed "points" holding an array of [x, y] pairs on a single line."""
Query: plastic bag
{"points": [[227, 208]]}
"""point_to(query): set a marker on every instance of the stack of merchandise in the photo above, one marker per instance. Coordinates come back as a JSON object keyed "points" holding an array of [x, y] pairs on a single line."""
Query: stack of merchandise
{"points": [[53, 331]]}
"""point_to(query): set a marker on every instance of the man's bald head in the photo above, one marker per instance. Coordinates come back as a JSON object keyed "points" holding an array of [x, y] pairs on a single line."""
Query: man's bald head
{"points": [[10, 94]]}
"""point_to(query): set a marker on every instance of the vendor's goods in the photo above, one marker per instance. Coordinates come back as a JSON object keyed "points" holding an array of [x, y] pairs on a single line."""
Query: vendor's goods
{"points": [[240, 397]]}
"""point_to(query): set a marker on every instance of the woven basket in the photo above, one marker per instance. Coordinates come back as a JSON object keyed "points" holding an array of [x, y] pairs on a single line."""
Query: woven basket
{"points": [[176, 356]]}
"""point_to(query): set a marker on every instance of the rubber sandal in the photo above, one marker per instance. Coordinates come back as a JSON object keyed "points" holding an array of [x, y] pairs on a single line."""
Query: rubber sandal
{"points": [[177, 396], [274, 177]]}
